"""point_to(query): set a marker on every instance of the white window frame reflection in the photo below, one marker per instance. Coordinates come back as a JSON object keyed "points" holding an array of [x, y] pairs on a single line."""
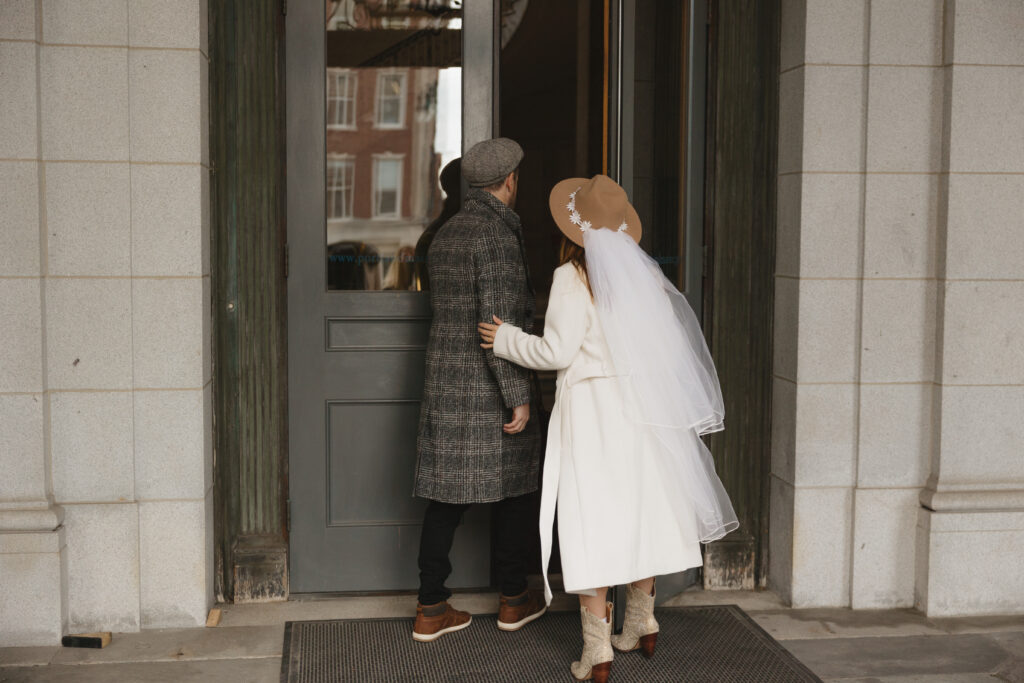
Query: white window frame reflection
{"points": [[382, 76], [343, 101], [399, 161], [342, 187]]}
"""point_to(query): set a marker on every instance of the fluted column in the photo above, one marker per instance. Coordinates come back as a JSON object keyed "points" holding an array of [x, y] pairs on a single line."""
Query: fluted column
{"points": [[249, 299]]}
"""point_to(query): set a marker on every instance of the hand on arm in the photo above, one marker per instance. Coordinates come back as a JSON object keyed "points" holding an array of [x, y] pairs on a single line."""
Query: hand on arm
{"points": [[565, 325], [487, 331], [521, 414]]}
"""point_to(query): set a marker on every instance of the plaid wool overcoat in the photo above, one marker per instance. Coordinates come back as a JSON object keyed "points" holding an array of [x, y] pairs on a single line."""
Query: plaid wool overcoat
{"points": [[477, 268]]}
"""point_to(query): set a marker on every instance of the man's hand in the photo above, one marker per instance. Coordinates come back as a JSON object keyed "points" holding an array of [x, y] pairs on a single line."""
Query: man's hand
{"points": [[520, 416]]}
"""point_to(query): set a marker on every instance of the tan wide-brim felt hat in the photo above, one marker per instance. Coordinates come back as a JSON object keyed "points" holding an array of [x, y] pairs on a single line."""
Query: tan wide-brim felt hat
{"points": [[600, 200]]}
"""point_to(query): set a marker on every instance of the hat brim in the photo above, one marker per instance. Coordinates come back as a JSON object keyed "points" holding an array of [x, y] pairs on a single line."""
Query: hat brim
{"points": [[558, 199]]}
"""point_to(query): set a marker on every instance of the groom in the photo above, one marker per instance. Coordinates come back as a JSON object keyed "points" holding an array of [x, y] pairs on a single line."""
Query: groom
{"points": [[477, 443]]}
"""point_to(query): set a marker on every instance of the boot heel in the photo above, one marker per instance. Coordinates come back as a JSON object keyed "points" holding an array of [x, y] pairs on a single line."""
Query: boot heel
{"points": [[600, 672], [647, 644]]}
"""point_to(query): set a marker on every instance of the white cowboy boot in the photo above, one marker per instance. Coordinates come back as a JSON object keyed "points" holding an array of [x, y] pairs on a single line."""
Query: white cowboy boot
{"points": [[640, 628], [596, 661]]}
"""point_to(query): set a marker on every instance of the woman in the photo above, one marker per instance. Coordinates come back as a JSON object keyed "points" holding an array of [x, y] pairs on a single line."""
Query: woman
{"points": [[635, 487]]}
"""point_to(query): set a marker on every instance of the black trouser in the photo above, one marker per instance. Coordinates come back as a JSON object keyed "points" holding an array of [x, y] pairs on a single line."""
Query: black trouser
{"points": [[512, 526]]}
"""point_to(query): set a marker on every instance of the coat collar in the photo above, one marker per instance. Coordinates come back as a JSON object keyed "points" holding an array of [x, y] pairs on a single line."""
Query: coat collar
{"points": [[509, 218], [507, 215]]}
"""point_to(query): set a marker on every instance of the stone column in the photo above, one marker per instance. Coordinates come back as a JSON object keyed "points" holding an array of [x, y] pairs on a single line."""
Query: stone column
{"points": [[33, 569], [970, 531], [897, 473], [822, 118], [895, 346], [105, 373], [86, 200], [172, 366]]}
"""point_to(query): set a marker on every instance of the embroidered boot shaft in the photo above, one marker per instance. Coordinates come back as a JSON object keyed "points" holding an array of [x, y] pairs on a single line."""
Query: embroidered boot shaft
{"points": [[640, 629]]}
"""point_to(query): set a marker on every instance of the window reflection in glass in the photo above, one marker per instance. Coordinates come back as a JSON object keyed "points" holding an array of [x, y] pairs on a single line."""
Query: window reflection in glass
{"points": [[393, 122], [340, 171], [341, 98], [387, 187], [390, 100]]}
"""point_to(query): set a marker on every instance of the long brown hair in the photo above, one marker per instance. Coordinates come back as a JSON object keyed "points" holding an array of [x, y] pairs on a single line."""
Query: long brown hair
{"points": [[569, 251]]}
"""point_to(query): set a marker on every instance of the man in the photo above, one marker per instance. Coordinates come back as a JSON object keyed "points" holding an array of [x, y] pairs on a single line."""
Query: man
{"points": [[477, 443]]}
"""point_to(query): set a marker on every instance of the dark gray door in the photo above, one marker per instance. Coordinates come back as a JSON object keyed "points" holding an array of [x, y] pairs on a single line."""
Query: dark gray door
{"points": [[378, 100]]}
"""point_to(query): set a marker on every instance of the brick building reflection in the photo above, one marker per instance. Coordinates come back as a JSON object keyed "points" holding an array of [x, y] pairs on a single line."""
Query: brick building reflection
{"points": [[389, 63]]}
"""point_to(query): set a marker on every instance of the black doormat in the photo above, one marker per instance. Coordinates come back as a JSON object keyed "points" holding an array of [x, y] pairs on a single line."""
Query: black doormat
{"points": [[707, 644]]}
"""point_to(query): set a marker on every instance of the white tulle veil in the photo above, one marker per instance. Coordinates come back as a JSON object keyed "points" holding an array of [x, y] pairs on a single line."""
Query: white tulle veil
{"points": [[671, 385]]}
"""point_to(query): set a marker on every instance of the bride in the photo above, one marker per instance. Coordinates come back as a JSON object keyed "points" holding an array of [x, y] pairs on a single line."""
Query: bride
{"points": [[635, 486]]}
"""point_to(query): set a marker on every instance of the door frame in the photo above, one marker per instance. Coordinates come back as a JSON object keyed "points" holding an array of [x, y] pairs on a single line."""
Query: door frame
{"points": [[744, 38], [249, 423], [247, 113]]}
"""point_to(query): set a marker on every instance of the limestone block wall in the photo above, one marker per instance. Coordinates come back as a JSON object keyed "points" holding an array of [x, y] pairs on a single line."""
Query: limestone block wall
{"points": [[105, 364], [970, 535], [901, 125]]}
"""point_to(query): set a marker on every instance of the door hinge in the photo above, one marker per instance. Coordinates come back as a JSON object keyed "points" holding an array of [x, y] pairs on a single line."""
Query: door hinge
{"points": [[288, 514], [284, 7], [286, 260]]}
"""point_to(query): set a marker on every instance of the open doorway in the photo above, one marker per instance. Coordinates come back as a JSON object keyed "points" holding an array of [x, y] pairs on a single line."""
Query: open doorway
{"points": [[677, 100], [591, 87]]}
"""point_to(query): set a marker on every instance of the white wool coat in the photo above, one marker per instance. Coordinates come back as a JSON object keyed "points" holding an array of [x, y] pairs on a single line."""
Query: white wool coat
{"points": [[615, 520]]}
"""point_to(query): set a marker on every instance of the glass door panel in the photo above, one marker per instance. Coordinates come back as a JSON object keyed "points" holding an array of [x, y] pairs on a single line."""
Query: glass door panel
{"points": [[393, 121]]}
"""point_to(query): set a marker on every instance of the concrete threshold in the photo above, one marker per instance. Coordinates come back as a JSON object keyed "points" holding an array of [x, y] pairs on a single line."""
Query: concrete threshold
{"points": [[853, 646]]}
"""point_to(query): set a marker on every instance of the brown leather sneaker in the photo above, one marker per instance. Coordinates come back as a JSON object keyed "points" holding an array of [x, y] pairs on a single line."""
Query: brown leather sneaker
{"points": [[433, 621], [519, 610]]}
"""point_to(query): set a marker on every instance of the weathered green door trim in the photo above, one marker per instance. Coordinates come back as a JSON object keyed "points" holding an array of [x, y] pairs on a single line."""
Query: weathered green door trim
{"points": [[740, 200], [248, 293]]}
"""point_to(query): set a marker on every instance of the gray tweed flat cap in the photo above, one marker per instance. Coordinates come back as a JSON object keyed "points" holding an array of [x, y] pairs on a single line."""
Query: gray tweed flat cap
{"points": [[489, 161]]}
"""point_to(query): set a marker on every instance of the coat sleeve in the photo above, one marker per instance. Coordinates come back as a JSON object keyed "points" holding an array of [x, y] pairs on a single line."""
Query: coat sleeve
{"points": [[494, 274], [565, 325]]}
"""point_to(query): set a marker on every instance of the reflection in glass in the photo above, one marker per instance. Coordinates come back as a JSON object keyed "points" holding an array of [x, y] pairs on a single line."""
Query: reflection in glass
{"points": [[340, 170], [393, 123], [390, 99]]}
